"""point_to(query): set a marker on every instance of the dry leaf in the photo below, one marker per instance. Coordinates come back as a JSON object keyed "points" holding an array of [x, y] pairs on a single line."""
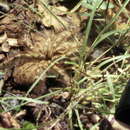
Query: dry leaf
{"points": [[57, 22], [59, 10], [8, 121], [2, 56], [20, 114], [4, 7], [3, 38], [57, 17], [12, 42], [5, 47]]}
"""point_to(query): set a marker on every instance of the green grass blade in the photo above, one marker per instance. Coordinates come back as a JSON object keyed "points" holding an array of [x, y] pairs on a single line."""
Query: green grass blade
{"points": [[79, 121], [88, 29], [104, 36], [23, 99], [118, 58], [43, 74], [110, 23]]}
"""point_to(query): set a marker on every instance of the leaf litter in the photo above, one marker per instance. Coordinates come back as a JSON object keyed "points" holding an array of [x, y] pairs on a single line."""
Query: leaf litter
{"points": [[33, 34]]}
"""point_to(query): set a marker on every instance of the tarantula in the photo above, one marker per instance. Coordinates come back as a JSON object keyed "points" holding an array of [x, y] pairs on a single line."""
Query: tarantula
{"points": [[43, 52]]}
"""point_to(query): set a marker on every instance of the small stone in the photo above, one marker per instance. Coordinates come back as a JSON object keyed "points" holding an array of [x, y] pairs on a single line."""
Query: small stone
{"points": [[5, 47], [89, 125], [97, 53], [65, 95], [95, 118], [12, 102]]}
